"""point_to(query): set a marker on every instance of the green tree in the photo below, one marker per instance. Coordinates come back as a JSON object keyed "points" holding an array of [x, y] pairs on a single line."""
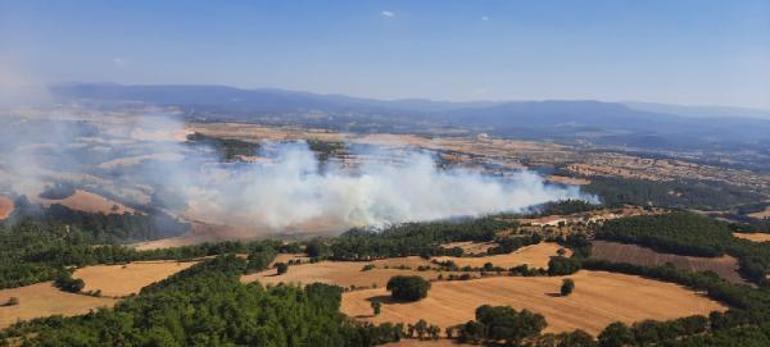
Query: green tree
{"points": [[616, 335], [376, 307], [408, 288], [281, 268], [567, 286]]}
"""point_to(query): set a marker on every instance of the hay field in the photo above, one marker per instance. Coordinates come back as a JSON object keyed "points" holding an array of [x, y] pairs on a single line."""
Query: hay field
{"points": [[599, 298], [6, 207], [470, 247], [42, 300], [725, 266], [572, 181], [761, 214], [343, 273], [90, 202], [535, 256], [124, 280], [756, 237]]}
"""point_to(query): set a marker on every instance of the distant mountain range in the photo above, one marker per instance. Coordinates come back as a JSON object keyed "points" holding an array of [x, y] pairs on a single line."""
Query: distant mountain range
{"points": [[634, 124]]}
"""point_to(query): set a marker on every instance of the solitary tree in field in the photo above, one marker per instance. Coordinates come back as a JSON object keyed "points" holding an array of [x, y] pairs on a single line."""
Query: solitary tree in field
{"points": [[376, 307], [281, 268], [408, 288], [567, 286]]}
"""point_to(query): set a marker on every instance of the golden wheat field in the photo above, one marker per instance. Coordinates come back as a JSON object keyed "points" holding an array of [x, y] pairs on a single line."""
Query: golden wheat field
{"points": [[599, 298], [43, 300], [123, 280]]}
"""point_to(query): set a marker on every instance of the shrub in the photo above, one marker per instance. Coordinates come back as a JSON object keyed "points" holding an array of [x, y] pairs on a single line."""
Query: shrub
{"points": [[281, 268], [567, 286]]}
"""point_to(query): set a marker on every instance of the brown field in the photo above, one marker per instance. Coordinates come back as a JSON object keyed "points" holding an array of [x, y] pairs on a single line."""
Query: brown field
{"points": [[344, 273], [470, 247], [535, 256], [756, 237], [124, 280], [426, 343], [599, 299], [6, 207], [761, 214], [90, 202], [42, 300], [573, 181], [725, 266]]}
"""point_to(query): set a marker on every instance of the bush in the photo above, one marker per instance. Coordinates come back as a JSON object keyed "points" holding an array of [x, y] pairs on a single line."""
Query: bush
{"points": [[65, 282], [281, 268], [408, 288], [567, 286]]}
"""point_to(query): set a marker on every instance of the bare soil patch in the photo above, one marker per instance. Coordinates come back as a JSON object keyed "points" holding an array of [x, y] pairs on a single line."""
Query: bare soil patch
{"points": [[124, 280], [725, 266], [756, 237], [6, 207], [536, 256], [599, 299], [43, 300]]}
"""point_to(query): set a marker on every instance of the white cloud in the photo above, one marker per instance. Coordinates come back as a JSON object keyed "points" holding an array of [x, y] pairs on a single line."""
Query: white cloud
{"points": [[388, 14]]}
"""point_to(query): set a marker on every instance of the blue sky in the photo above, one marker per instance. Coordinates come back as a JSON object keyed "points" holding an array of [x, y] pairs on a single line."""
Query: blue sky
{"points": [[677, 51]]}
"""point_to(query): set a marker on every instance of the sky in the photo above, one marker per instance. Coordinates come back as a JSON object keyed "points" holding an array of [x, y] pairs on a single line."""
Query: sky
{"points": [[702, 52]]}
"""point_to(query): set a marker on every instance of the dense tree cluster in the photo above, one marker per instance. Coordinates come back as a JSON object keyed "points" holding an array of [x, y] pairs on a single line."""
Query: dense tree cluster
{"points": [[501, 323], [37, 249], [206, 305], [702, 195], [564, 207], [65, 282], [227, 149], [408, 288], [415, 238]]}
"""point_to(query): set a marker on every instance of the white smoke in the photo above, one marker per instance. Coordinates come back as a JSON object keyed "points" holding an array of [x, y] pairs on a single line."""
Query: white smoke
{"points": [[289, 192], [142, 158]]}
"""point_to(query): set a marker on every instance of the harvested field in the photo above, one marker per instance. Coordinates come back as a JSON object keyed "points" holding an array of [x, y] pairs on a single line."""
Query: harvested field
{"points": [[426, 343], [42, 300], [535, 256], [599, 299], [470, 247], [725, 266], [6, 207], [573, 181], [90, 202], [756, 237], [761, 214], [124, 280], [344, 273]]}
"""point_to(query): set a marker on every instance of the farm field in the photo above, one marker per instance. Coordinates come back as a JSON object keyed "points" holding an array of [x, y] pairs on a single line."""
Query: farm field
{"points": [[124, 280], [6, 207], [344, 274], [535, 256], [470, 247], [756, 237], [599, 298], [761, 214], [43, 300], [90, 202], [725, 266]]}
